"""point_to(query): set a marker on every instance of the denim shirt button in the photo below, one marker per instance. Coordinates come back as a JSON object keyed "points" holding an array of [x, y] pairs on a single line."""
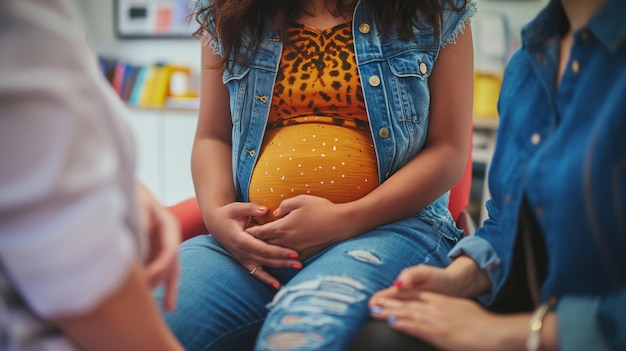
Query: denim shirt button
{"points": [[507, 198], [383, 132], [575, 66], [374, 81], [541, 59], [364, 28], [535, 139]]}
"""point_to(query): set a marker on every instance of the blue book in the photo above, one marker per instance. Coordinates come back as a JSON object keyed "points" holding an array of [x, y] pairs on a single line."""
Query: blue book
{"points": [[138, 87]]}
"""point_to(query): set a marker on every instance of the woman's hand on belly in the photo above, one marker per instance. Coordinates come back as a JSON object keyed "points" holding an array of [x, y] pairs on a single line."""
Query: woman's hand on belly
{"points": [[307, 224], [227, 227]]}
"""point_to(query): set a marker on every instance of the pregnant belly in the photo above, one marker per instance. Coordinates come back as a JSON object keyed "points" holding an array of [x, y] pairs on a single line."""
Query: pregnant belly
{"points": [[329, 161]]}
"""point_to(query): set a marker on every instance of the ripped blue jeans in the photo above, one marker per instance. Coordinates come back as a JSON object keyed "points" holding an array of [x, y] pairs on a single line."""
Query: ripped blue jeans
{"points": [[221, 306]]}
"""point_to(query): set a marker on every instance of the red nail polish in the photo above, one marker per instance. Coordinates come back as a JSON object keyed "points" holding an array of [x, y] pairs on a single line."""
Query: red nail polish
{"points": [[275, 286], [296, 266], [293, 255], [398, 284]]}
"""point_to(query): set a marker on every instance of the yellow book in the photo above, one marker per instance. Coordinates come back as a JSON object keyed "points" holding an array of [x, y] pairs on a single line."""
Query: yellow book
{"points": [[148, 86], [160, 88]]}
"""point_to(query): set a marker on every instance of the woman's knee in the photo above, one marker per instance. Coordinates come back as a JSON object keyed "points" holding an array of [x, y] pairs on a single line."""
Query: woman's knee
{"points": [[316, 314]]}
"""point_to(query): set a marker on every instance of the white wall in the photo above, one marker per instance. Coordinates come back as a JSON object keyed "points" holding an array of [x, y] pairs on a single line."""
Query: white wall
{"points": [[99, 14]]}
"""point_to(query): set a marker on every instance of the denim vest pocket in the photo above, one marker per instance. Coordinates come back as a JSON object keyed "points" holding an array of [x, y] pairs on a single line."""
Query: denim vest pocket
{"points": [[411, 70], [234, 78]]}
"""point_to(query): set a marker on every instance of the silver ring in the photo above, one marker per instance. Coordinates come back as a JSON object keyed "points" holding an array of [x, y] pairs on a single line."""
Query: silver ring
{"points": [[253, 270]]}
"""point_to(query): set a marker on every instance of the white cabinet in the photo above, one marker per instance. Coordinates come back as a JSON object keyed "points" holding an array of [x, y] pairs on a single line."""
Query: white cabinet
{"points": [[164, 140], [179, 133]]}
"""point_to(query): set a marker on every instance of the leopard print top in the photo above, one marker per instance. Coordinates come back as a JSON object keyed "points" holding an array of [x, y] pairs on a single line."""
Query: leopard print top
{"points": [[318, 76], [318, 139]]}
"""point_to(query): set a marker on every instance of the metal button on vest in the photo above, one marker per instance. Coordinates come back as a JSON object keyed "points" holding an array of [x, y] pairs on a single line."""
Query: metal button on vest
{"points": [[364, 28], [535, 139], [383, 132], [374, 81], [423, 68]]}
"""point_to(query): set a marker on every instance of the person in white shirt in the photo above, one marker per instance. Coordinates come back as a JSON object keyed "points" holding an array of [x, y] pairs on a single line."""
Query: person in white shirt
{"points": [[75, 225]]}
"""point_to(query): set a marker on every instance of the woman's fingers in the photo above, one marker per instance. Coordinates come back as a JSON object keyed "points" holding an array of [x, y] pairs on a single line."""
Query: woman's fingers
{"points": [[260, 273], [265, 254]]}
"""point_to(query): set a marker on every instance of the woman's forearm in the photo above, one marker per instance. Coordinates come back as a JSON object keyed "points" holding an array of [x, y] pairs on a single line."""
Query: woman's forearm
{"points": [[128, 320], [212, 173], [469, 280]]}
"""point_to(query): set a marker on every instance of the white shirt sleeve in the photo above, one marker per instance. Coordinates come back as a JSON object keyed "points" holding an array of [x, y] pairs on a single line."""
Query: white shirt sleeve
{"points": [[68, 230]]}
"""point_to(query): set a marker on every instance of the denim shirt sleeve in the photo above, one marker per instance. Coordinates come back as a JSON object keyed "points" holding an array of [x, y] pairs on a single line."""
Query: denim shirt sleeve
{"points": [[453, 22], [478, 248], [592, 323]]}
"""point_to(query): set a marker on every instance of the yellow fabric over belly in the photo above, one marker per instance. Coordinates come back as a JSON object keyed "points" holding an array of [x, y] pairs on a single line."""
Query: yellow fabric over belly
{"points": [[330, 161]]}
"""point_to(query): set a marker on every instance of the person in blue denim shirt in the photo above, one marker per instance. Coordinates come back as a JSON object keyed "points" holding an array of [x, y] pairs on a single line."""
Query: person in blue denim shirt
{"points": [[557, 219], [329, 135]]}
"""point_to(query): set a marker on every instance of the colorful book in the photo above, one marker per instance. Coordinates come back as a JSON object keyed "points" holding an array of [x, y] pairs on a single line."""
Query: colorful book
{"points": [[145, 99], [138, 86], [161, 86], [130, 77]]}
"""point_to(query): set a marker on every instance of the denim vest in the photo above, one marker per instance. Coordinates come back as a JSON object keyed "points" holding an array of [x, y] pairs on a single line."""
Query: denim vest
{"points": [[394, 76]]}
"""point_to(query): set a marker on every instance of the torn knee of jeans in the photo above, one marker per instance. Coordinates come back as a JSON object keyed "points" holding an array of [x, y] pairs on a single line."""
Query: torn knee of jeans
{"points": [[291, 340], [330, 294], [365, 256], [303, 314]]}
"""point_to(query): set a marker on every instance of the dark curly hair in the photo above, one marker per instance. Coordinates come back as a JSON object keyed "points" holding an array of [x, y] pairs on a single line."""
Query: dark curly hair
{"points": [[235, 17]]}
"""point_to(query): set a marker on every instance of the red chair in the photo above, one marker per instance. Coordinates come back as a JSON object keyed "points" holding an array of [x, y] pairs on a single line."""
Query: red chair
{"points": [[190, 218]]}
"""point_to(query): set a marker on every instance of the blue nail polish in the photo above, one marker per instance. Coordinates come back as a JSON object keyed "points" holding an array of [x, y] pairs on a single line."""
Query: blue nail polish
{"points": [[392, 319], [376, 309]]}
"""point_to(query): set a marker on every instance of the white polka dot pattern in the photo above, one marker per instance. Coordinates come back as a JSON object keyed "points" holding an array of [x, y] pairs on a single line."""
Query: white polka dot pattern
{"points": [[329, 161]]}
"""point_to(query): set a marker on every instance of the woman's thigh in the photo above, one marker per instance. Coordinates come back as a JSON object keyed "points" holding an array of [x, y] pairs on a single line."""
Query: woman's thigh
{"points": [[220, 305], [325, 304]]}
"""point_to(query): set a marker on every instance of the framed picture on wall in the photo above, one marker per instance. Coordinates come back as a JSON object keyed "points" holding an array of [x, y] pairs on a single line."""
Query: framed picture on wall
{"points": [[141, 19]]}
